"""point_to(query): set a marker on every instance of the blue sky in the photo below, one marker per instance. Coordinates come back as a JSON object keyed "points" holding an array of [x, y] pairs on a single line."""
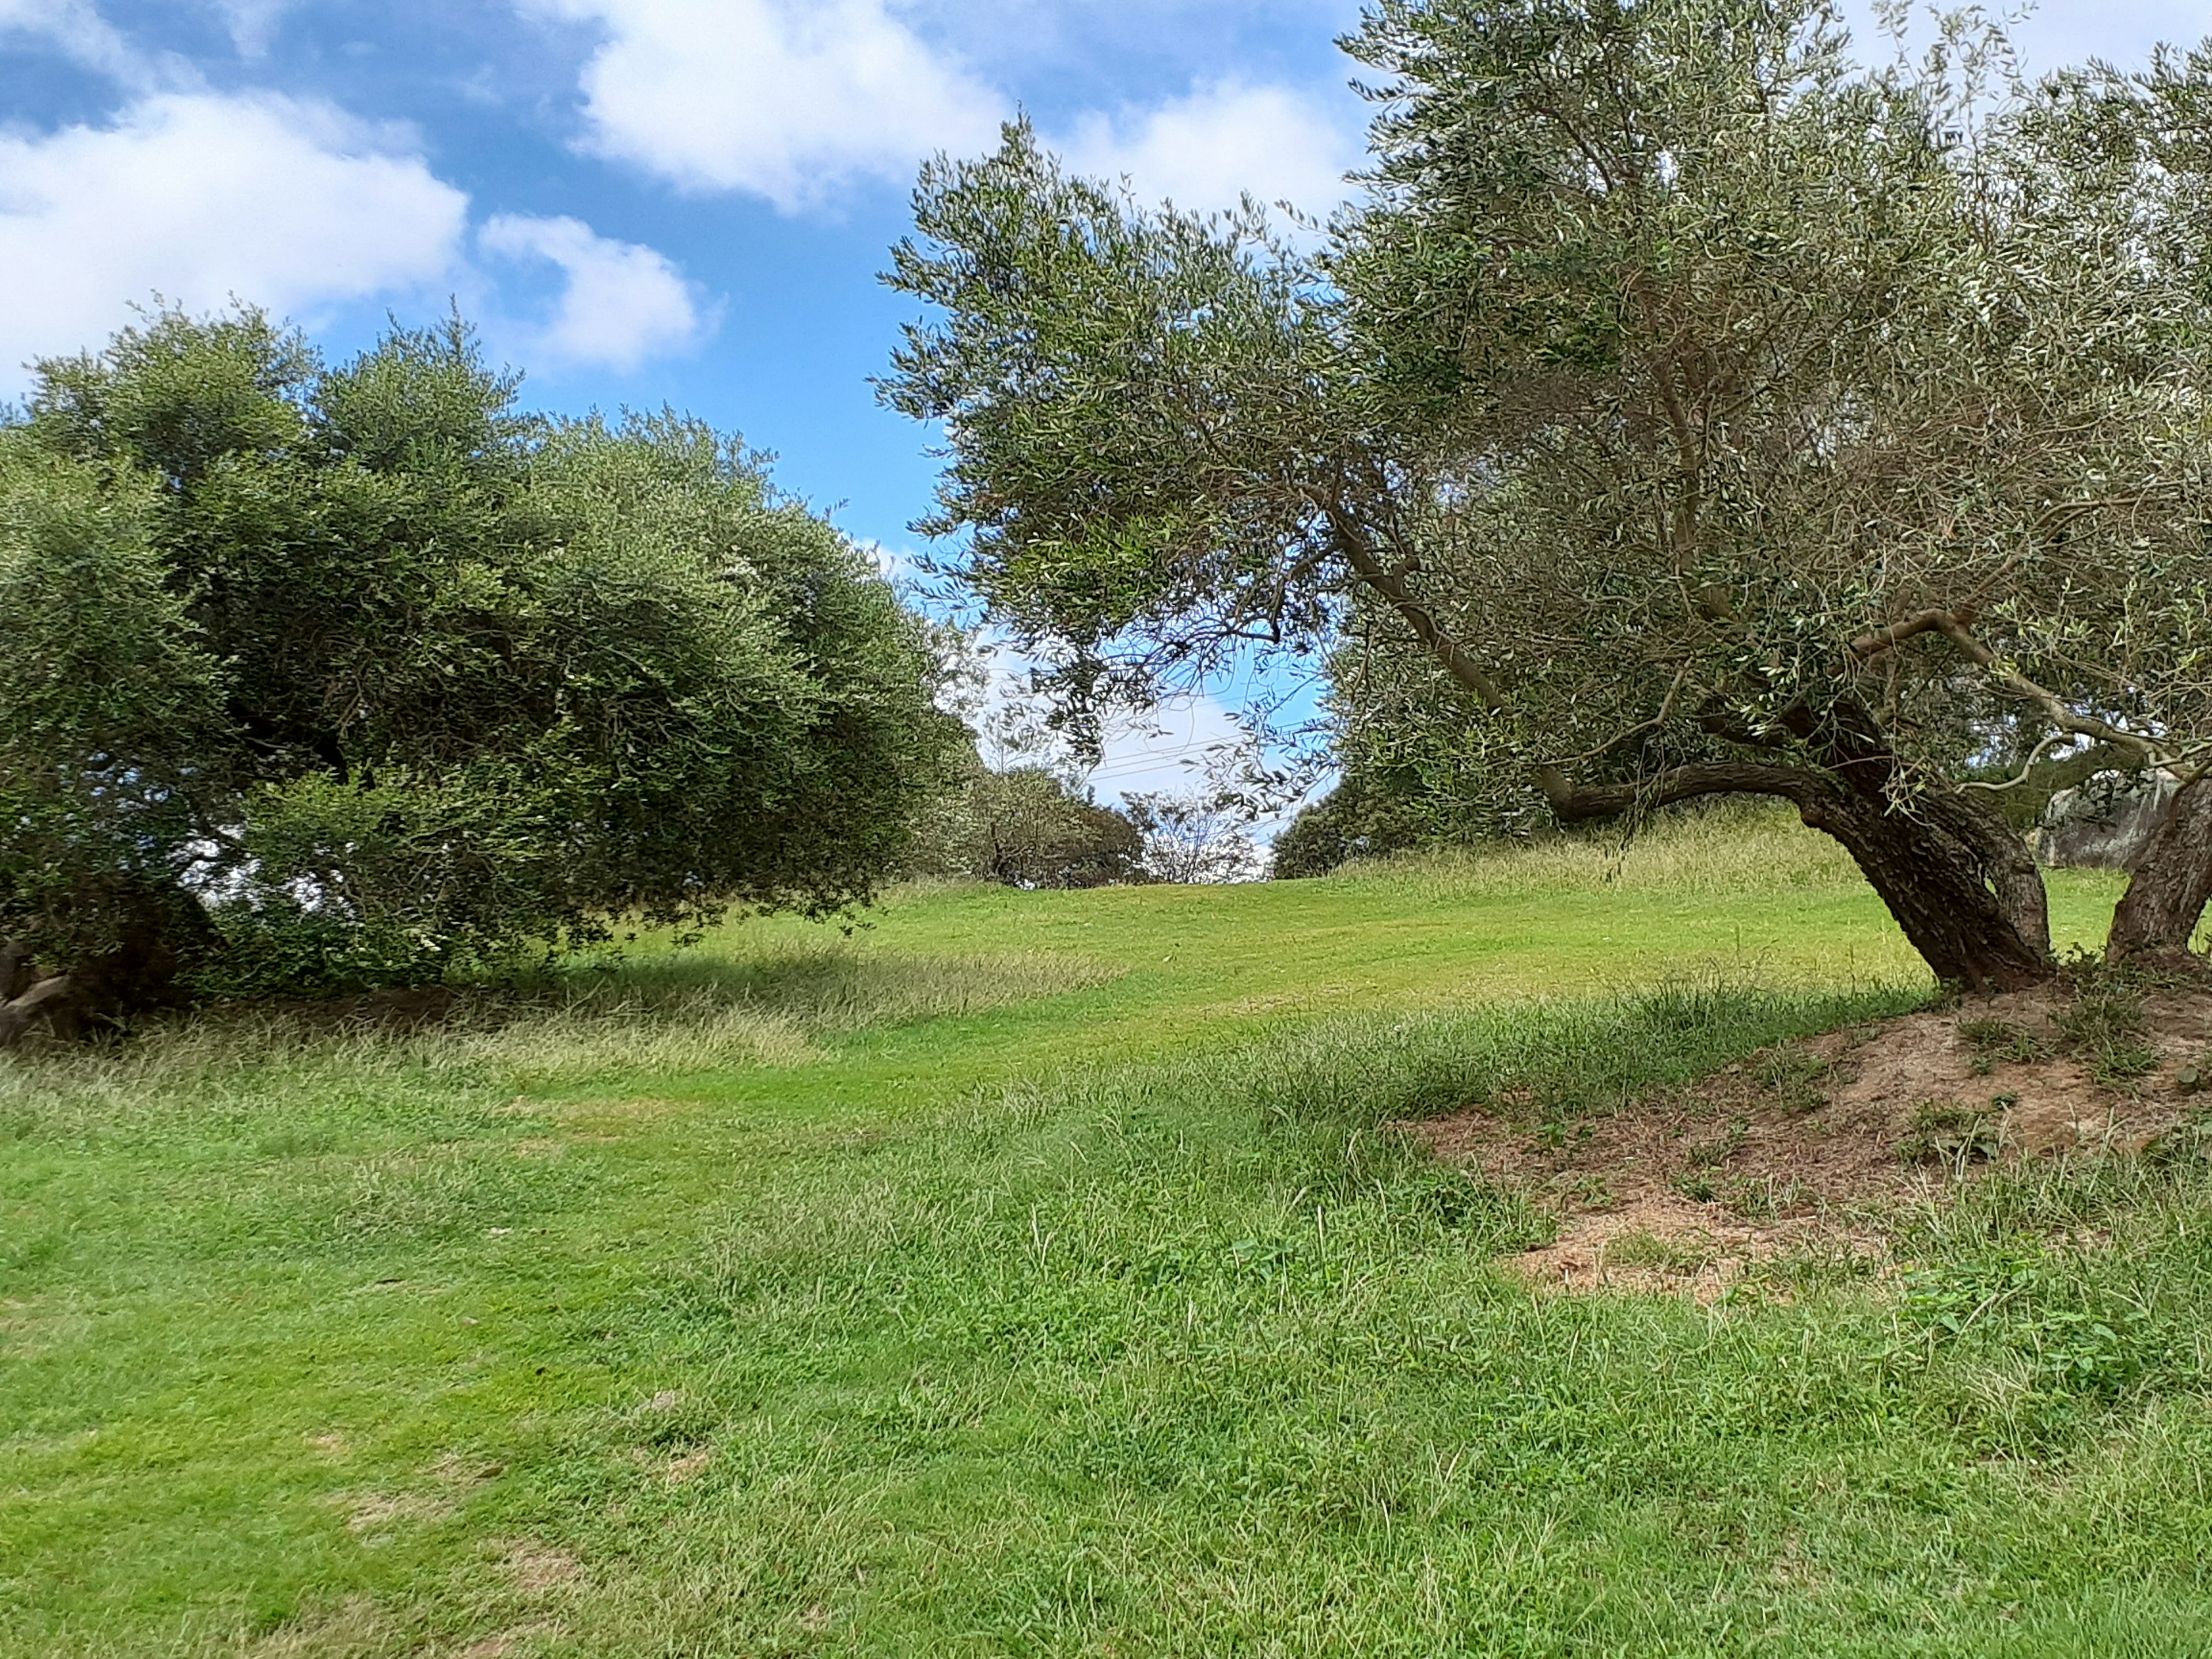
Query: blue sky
{"points": [[650, 201]]}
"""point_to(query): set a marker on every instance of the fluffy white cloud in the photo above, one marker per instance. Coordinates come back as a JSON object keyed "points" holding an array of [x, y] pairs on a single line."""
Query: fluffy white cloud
{"points": [[620, 303], [789, 100], [2061, 32], [1205, 151], [76, 30], [201, 198]]}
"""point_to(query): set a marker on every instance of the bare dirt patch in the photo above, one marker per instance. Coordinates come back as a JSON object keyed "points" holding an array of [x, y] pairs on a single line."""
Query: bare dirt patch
{"points": [[1809, 1144]]}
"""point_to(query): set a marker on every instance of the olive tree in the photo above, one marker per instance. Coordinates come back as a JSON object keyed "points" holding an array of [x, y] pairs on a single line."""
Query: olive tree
{"points": [[316, 676], [1690, 409]]}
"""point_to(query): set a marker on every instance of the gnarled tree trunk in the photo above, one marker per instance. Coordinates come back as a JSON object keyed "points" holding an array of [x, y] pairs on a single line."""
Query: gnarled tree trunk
{"points": [[1961, 885], [160, 935], [54, 1002], [1969, 920], [2173, 880]]}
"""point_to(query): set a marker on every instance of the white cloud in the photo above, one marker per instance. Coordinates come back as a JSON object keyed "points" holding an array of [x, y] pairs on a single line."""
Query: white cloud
{"points": [[1205, 151], [252, 23], [1165, 752], [789, 100], [76, 30], [621, 302], [201, 198]]}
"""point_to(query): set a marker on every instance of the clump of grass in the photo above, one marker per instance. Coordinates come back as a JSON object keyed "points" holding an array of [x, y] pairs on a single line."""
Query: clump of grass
{"points": [[1795, 1078], [1992, 1040], [670, 1015], [1555, 1060], [1710, 1154], [2104, 1026], [1762, 1198], [1697, 852], [1945, 1132]]}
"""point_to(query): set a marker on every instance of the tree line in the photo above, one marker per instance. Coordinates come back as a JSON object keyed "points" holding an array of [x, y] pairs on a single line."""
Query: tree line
{"points": [[1686, 406]]}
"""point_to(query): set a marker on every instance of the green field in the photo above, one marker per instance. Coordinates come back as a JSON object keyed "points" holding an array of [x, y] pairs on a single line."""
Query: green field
{"points": [[1027, 1273]]}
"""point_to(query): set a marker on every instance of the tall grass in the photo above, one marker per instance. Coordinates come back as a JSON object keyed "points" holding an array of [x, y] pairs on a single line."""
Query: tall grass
{"points": [[495, 1337], [1720, 850], [668, 1014]]}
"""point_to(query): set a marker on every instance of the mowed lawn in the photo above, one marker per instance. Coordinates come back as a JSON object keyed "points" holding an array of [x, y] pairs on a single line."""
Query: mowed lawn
{"points": [[1032, 1274]]}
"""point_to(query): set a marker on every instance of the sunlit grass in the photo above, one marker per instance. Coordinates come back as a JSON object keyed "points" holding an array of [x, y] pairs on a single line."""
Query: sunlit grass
{"points": [[1039, 1274]]}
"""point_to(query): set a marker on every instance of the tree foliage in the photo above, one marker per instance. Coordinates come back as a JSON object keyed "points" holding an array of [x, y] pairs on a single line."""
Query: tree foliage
{"points": [[1685, 408], [313, 677], [1024, 826]]}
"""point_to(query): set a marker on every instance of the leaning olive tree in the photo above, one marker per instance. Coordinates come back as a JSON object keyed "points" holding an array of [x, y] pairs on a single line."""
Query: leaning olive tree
{"points": [[314, 678], [1711, 414]]}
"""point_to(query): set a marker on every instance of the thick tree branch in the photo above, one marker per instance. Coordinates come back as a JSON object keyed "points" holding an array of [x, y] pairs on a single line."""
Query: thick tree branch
{"points": [[1579, 803], [1457, 661]]}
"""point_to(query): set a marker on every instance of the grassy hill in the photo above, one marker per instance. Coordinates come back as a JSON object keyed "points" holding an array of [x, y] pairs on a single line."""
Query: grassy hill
{"points": [[1030, 1274]]}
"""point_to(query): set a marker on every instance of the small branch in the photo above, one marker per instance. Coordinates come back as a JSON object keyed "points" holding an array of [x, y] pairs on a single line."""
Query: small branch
{"points": [[1884, 639], [1666, 709], [1955, 625], [2061, 715], [2026, 772], [1457, 661]]}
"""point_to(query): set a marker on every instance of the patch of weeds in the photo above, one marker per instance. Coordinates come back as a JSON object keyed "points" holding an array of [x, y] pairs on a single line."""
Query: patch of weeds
{"points": [[1588, 1192], [1795, 1079], [1945, 1132], [1459, 1203], [1992, 1040], [1695, 1186], [1557, 1134], [2041, 1307], [2186, 1145], [1762, 1198], [2105, 1027], [1710, 1154]]}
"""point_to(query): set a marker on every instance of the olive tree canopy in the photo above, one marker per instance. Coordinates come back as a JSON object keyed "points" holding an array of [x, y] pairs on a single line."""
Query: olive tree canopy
{"points": [[1684, 409], [319, 677]]}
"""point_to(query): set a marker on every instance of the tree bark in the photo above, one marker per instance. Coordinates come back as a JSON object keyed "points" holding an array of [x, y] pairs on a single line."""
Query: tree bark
{"points": [[162, 934], [1971, 923], [1960, 895], [2166, 897], [51, 1002], [16, 971], [2011, 870]]}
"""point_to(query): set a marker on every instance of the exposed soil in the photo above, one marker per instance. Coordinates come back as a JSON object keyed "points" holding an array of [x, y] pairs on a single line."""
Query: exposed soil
{"points": [[1806, 1146]]}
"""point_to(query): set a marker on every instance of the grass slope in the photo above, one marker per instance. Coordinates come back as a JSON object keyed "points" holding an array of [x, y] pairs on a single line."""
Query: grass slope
{"points": [[1025, 1275]]}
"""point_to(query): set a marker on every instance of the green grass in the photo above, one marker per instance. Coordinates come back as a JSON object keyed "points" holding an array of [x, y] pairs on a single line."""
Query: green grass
{"points": [[1028, 1275]]}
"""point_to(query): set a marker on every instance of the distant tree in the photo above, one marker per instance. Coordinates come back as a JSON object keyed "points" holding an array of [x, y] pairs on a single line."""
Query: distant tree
{"points": [[1026, 826], [1685, 411], [314, 678], [1194, 837], [1354, 821]]}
